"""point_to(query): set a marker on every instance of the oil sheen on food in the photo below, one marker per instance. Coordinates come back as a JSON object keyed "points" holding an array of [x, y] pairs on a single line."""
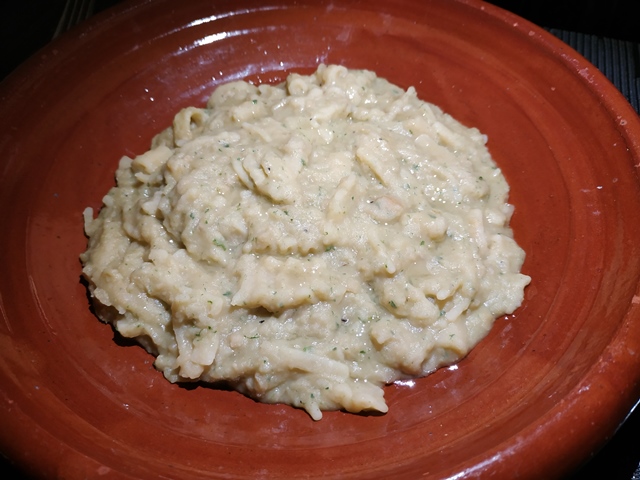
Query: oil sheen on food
{"points": [[308, 242]]}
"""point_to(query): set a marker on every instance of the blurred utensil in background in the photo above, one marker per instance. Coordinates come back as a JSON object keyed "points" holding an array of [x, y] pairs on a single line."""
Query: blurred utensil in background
{"points": [[75, 11]]}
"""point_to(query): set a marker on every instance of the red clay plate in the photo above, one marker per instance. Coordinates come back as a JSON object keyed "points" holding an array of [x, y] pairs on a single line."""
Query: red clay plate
{"points": [[542, 392]]}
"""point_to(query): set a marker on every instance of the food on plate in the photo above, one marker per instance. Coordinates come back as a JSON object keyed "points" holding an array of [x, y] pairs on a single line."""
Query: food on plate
{"points": [[307, 242]]}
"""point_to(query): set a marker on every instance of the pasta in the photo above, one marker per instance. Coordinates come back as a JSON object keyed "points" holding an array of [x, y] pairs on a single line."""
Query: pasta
{"points": [[308, 242]]}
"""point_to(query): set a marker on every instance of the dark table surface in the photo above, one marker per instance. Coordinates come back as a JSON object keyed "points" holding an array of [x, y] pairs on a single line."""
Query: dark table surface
{"points": [[606, 32]]}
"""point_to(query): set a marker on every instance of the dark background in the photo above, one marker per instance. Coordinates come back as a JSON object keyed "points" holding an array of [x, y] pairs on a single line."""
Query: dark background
{"points": [[608, 18], [28, 25]]}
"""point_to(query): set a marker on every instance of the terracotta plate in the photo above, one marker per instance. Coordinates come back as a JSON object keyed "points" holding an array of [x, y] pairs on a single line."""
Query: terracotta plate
{"points": [[541, 393]]}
